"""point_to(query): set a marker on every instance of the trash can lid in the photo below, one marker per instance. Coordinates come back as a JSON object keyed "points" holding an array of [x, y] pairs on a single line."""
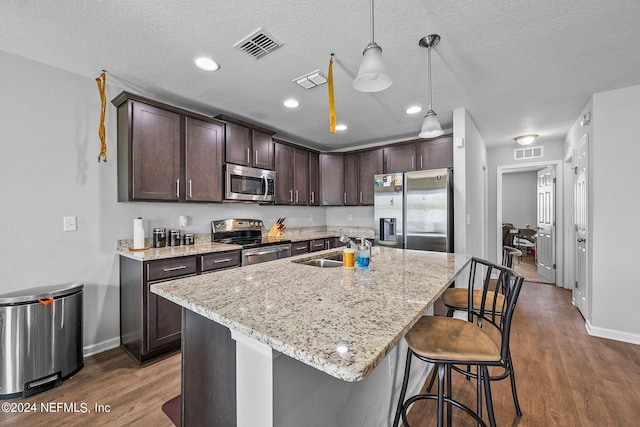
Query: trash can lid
{"points": [[41, 292]]}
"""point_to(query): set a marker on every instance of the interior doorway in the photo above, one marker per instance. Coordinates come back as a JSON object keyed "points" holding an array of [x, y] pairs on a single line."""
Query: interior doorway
{"points": [[531, 221]]}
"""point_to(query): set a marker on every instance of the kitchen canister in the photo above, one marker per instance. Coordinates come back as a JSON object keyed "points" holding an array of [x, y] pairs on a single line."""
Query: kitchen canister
{"points": [[174, 237], [159, 237], [188, 238]]}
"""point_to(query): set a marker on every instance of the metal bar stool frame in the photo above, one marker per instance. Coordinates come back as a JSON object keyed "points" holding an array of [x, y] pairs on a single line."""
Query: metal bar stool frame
{"points": [[495, 311]]}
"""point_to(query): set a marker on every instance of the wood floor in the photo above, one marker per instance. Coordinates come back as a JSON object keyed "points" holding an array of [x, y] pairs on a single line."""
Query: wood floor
{"points": [[527, 267], [565, 378]]}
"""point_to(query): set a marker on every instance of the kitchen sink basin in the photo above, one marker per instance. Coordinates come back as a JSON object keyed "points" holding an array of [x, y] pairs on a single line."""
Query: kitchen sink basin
{"points": [[322, 262], [335, 257]]}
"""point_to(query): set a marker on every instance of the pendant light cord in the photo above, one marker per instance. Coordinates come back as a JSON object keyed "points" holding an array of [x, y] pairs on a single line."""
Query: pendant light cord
{"points": [[372, 21], [430, 88]]}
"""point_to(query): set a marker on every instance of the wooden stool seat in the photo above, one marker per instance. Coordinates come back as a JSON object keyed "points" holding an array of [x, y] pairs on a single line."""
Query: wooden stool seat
{"points": [[458, 298], [451, 339]]}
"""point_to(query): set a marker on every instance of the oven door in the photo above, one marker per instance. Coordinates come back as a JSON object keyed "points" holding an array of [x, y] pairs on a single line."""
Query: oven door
{"points": [[250, 184], [265, 253]]}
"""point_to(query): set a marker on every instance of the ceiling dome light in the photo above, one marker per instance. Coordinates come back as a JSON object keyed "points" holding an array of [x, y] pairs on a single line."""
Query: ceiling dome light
{"points": [[206, 64], [341, 127], [525, 139], [414, 109], [372, 73], [291, 103]]}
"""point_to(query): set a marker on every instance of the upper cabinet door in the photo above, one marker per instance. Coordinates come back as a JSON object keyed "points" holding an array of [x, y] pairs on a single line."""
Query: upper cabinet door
{"points": [[401, 158], [155, 153], [370, 163], [435, 153], [314, 178], [300, 176], [203, 161], [262, 150], [238, 144], [284, 174], [331, 180]]}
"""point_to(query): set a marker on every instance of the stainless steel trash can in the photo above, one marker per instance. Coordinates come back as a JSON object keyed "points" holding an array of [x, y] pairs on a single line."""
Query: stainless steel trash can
{"points": [[40, 338]]}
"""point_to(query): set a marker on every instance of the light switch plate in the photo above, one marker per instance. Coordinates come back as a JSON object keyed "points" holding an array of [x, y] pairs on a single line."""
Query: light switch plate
{"points": [[69, 223]]}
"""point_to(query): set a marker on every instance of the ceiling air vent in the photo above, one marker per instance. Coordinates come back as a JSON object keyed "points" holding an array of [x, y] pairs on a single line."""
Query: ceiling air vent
{"points": [[312, 79], [527, 153], [258, 44]]}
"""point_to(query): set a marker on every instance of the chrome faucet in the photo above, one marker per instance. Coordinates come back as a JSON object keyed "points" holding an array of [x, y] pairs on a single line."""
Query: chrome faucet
{"points": [[345, 239]]}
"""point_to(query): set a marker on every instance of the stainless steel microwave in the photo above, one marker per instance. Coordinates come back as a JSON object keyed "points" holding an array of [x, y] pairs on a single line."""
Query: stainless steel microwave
{"points": [[243, 183]]}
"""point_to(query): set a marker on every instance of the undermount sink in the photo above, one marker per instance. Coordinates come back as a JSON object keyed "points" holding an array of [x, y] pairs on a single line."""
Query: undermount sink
{"points": [[327, 261], [322, 262]]}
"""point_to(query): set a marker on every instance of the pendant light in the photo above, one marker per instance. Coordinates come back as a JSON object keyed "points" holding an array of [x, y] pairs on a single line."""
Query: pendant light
{"points": [[372, 74], [431, 126]]}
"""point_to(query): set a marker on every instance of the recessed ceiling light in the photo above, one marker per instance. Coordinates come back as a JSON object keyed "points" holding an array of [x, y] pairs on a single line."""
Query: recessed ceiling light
{"points": [[341, 127], [291, 103], [414, 109], [206, 64]]}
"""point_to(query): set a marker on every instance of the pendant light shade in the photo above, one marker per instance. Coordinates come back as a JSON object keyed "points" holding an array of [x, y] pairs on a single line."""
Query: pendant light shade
{"points": [[431, 125], [372, 74]]}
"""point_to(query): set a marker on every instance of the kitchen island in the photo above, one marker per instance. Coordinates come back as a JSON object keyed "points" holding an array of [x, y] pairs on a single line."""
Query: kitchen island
{"points": [[283, 343]]}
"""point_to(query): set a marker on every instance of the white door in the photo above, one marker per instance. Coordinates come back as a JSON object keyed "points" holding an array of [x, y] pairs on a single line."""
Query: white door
{"points": [[546, 240], [580, 225]]}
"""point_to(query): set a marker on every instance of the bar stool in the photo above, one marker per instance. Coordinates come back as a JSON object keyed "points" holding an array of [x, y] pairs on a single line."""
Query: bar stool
{"points": [[458, 299], [447, 341]]}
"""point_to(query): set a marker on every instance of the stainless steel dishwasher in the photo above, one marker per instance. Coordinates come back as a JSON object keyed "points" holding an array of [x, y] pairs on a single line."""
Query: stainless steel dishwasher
{"points": [[40, 338]]}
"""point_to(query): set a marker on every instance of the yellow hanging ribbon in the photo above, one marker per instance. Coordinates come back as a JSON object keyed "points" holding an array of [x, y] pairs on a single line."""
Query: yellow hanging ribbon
{"points": [[102, 82], [332, 106]]}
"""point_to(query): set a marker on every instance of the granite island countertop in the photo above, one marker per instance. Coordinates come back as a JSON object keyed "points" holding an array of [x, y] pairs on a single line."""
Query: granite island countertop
{"points": [[340, 321]]}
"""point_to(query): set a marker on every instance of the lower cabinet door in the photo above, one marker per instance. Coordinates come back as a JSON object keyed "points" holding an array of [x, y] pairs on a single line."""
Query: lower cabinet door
{"points": [[164, 322]]}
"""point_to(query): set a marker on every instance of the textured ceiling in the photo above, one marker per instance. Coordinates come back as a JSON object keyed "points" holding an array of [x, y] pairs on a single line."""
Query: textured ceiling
{"points": [[517, 67]]}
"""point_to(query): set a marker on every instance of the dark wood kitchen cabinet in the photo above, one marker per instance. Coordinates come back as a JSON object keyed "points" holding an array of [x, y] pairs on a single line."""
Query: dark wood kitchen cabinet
{"points": [[400, 158], [149, 324], [331, 179], [435, 153], [292, 175], [314, 178], [203, 160], [350, 179], [167, 154], [370, 163], [247, 146]]}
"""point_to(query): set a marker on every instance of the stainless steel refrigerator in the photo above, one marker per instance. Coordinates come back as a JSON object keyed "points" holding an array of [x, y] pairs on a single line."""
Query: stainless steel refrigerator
{"points": [[414, 210]]}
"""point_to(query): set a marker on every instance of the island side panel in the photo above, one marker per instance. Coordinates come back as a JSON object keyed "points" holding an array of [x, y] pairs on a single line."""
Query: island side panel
{"points": [[208, 372]]}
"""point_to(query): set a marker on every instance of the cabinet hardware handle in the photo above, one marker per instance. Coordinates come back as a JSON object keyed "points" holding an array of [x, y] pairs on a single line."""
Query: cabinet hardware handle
{"points": [[345, 197], [248, 156], [324, 199], [413, 162], [178, 188], [221, 260], [421, 161], [361, 197], [313, 197], [290, 196], [180, 267], [299, 248], [190, 190], [255, 159], [296, 196]]}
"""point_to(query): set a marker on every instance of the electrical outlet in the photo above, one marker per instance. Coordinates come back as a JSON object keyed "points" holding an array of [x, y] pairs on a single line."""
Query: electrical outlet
{"points": [[69, 223], [310, 217], [349, 217]]}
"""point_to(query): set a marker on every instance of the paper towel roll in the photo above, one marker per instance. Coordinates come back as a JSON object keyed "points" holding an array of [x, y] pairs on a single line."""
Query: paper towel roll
{"points": [[138, 233]]}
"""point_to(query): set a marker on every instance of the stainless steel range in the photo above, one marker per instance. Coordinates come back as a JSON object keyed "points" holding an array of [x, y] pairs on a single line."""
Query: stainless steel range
{"points": [[248, 233]]}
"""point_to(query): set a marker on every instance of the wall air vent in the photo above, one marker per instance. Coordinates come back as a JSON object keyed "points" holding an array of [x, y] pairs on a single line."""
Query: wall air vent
{"points": [[258, 44], [527, 153], [312, 79]]}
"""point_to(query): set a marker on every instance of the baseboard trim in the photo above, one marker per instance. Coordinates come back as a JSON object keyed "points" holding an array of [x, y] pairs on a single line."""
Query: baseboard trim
{"points": [[612, 334], [105, 345]]}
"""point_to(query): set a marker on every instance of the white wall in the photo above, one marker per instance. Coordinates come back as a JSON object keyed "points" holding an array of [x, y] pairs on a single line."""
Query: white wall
{"points": [[469, 179], [48, 169], [519, 195], [613, 210], [503, 157]]}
